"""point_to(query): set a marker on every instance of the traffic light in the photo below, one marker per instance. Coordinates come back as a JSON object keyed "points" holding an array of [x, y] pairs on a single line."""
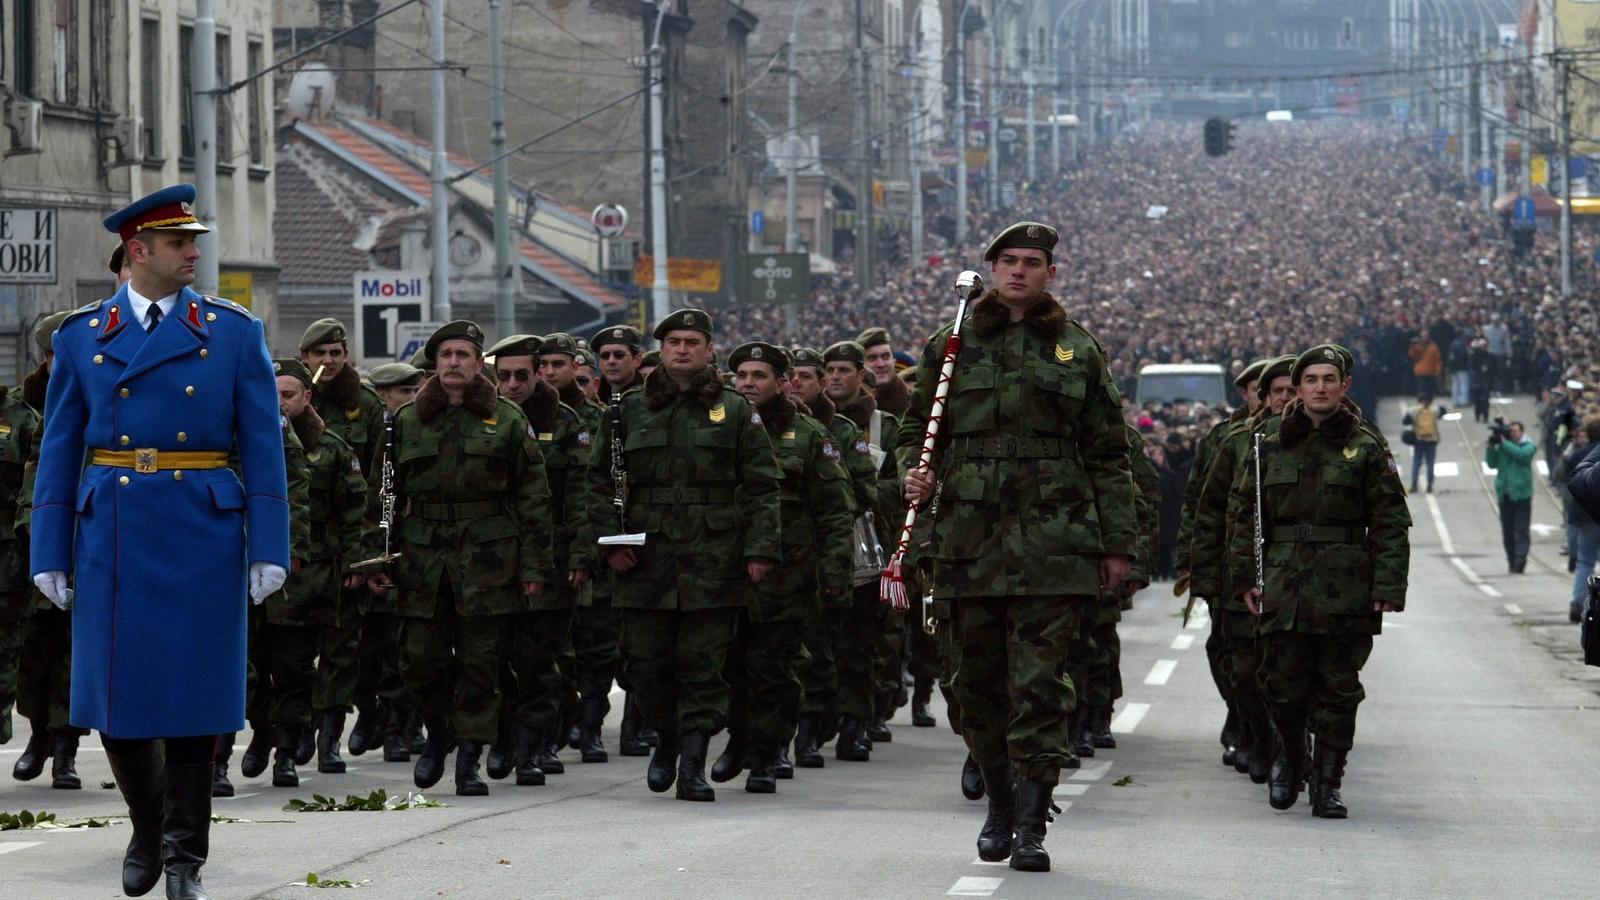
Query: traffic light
{"points": [[1219, 136]]}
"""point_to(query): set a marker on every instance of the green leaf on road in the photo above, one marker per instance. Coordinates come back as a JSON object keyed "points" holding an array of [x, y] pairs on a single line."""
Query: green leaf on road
{"points": [[377, 801], [1124, 781], [313, 881]]}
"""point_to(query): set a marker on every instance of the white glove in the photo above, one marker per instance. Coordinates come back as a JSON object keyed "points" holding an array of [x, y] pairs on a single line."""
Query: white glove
{"points": [[265, 580], [54, 587]]}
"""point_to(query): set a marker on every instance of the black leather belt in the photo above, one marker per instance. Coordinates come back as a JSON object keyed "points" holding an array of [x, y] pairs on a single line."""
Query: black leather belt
{"points": [[1009, 447]]}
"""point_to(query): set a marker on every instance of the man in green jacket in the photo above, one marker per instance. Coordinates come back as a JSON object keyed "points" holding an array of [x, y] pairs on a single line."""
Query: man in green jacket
{"points": [[1036, 518], [1510, 454]]}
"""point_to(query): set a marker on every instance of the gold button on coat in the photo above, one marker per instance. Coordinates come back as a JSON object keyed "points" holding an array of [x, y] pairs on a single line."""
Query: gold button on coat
{"points": [[178, 475], [125, 392], [183, 436], [204, 353], [124, 440], [98, 359], [122, 480], [189, 390]]}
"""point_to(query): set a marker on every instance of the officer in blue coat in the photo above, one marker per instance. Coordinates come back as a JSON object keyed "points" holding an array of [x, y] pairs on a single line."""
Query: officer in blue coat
{"points": [[143, 529]]}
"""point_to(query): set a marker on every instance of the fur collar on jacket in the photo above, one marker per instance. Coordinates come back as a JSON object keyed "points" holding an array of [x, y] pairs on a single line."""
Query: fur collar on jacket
{"points": [[1340, 426], [343, 389], [660, 391], [893, 396], [479, 399], [778, 414], [543, 406], [34, 387], [1045, 318], [309, 428], [860, 410], [822, 410]]}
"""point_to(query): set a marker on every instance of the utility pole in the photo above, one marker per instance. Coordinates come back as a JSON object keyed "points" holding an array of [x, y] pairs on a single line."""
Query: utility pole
{"points": [[440, 199], [660, 295], [961, 128], [205, 139], [791, 176], [505, 311], [915, 144], [992, 190], [1485, 138], [1033, 163], [864, 145], [1564, 63]]}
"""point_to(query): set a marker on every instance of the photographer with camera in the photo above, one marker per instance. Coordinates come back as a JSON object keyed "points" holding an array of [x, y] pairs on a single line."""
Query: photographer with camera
{"points": [[1510, 454]]}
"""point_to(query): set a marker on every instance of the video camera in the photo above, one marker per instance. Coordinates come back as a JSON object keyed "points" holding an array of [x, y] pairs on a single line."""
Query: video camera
{"points": [[1499, 431]]}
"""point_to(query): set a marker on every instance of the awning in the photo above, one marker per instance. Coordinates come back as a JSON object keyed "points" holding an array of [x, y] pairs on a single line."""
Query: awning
{"points": [[1543, 203], [1585, 206]]}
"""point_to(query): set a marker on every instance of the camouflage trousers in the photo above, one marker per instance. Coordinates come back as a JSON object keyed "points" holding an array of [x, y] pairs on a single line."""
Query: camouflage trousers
{"points": [[375, 680], [596, 637], [1241, 662], [1103, 674], [10, 657], [949, 643], [44, 672], [819, 683], [924, 655], [530, 678], [451, 666], [674, 660], [1314, 680], [856, 642], [284, 661], [764, 688], [339, 664], [1216, 650], [1012, 682], [887, 658]]}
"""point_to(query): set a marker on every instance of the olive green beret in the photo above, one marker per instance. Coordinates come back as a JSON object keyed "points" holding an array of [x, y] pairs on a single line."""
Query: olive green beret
{"points": [[1276, 367], [626, 335], [684, 320], [872, 337], [1329, 354], [1024, 234], [421, 361], [1251, 373], [459, 330], [759, 351], [117, 255], [46, 327], [586, 358], [650, 358], [322, 331], [516, 345], [294, 368], [395, 374], [805, 356], [560, 342], [845, 351]]}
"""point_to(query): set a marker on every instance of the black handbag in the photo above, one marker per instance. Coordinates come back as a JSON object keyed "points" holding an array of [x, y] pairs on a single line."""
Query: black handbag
{"points": [[1589, 629], [1409, 437]]}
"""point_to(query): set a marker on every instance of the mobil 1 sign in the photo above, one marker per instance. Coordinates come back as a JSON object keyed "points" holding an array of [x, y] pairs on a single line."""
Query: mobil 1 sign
{"points": [[385, 298]]}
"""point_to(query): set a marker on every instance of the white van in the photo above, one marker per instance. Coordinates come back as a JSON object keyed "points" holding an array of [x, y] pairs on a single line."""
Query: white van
{"points": [[1205, 382]]}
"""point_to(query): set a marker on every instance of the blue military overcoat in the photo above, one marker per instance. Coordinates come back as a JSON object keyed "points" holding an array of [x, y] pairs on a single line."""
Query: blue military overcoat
{"points": [[160, 558]]}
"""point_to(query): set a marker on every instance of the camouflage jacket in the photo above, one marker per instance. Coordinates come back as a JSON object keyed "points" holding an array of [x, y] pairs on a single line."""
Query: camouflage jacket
{"points": [[332, 520], [1334, 521], [1033, 456], [1147, 505], [816, 510], [1204, 453], [702, 484], [354, 412], [864, 482], [566, 441], [1212, 538], [473, 503], [24, 507], [19, 429]]}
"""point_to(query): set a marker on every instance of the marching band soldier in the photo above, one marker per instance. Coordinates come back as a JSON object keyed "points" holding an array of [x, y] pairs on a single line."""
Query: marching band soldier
{"points": [[396, 384], [1036, 518], [1335, 554], [817, 511], [474, 521], [702, 485], [151, 388], [18, 428], [877, 354]]}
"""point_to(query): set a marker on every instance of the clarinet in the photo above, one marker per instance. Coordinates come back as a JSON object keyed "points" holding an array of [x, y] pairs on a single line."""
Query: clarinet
{"points": [[619, 467], [386, 496], [1260, 540]]}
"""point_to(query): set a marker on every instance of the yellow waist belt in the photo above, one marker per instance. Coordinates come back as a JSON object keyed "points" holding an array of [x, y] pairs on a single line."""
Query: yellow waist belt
{"points": [[148, 460]]}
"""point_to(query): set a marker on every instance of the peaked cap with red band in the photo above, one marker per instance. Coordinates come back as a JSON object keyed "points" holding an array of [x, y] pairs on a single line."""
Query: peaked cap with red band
{"points": [[169, 209]]}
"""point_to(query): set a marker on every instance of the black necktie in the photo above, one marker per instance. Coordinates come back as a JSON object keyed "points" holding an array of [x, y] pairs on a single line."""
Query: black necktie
{"points": [[154, 318]]}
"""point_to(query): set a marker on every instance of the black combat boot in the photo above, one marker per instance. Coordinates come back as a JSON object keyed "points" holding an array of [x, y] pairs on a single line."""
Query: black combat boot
{"points": [[1230, 736], [370, 722], [220, 785], [971, 779], [852, 745], [31, 763], [547, 758], [692, 784], [921, 693], [529, 740], [305, 748], [783, 769], [1246, 745], [186, 829], [141, 777], [468, 784], [1082, 735], [430, 762], [1327, 767], [806, 754], [330, 732], [1033, 811], [64, 763], [995, 839], [878, 727], [283, 762], [630, 743], [763, 770], [591, 715], [735, 756], [502, 753], [1263, 744], [1100, 727], [396, 744], [416, 742], [258, 752], [1286, 778], [663, 772]]}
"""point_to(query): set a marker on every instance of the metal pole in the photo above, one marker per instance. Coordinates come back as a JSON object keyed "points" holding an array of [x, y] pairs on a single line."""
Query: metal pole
{"points": [[915, 145], [440, 199], [864, 145], [992, 189], [1566, 173], [961, 127], [505, 311], [660, 296], [791, 178], [205, 138], [1033, 170]]}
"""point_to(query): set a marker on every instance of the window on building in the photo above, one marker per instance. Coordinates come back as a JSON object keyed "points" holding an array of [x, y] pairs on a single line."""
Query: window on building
{"points": [[1235, 40], [64, 34], [150, 85], [1349, 38], [25, 47], [1299, 37], [224, 102], [185, 91], [253, 64]]}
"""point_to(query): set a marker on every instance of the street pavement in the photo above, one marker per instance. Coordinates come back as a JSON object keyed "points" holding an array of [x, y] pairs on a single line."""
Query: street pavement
{"points": [[1470, 778]]}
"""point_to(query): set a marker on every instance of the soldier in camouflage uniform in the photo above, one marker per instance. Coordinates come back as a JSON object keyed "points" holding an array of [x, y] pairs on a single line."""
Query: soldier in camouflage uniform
{"points": [[396, 384], [531, 677], [1212, 573], [359, 668], [17, 426], [1336, 553], [702, 485], [475, 523], [44, 674], [817, 511], [1035, 520]]}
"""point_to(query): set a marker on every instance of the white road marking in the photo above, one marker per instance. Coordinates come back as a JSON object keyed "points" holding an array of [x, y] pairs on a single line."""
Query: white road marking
{"points": [[1513, 609], [973, 886], [1130, 717], [1491, 591], [1486, 469], [17, 751], [1465, 570], [1091, 771], [19, 845], [241, 796], [1449, 549], [1070, 790], [1544, 530], [1445, 470], [1183, 642], [1161, 672], [1199, 618], [1542, 467], [985, 862]]}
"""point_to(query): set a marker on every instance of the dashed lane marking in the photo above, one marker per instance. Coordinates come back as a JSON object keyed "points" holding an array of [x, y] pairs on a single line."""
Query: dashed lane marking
{"points": [[1130, 717], [1198, 619], [1513, 609], [1070, 790], [974, 886], [18, 845], [1091, 771], [1491, 590], [1183, 642], [1160, 672], [987, 862]]}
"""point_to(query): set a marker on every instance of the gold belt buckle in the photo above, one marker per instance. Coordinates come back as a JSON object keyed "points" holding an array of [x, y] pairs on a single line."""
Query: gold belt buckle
{"points": [[144, 460]]}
